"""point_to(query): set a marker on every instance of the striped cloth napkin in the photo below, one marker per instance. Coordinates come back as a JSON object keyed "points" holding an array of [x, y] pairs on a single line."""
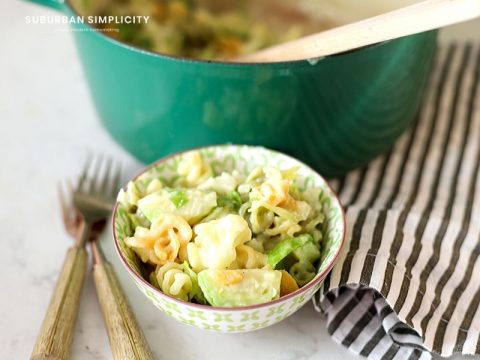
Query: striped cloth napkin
{"points": [[408, 280]]}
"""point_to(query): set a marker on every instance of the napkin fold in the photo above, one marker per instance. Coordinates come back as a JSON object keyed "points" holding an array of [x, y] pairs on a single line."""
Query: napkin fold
{"points": [[407, 282]]}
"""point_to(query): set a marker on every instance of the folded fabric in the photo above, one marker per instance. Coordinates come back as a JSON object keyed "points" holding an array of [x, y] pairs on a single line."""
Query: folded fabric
{"points": [[408, 279]]}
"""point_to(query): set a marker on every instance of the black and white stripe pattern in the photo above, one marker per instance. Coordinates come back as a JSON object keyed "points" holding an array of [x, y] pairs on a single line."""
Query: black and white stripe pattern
{"points": [[406, 280]]}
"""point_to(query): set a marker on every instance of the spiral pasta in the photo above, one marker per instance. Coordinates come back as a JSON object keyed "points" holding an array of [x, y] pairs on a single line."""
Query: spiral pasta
{"points": [[274, 211], [137, 190], [274, 189], [274, 192], [248, 258], [193, 170], [257, 243], [130, 196], [173, 281], [261, 219], [283, 227], [163, 241]]}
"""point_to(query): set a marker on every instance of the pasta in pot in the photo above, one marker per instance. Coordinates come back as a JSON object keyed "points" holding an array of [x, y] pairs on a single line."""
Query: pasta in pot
{"points": [[204, 29], [226, 240]]}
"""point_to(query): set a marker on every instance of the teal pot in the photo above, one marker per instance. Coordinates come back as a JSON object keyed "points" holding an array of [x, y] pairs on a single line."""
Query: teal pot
{"points": [[336, 114]]}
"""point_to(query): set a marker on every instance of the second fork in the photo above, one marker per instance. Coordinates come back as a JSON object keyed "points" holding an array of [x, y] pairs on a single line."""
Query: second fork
{"points": [[56, 333]]}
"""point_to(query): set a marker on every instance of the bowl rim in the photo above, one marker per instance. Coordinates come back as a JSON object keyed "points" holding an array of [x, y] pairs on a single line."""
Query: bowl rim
{"points": [[318, 278], [67, 4]]}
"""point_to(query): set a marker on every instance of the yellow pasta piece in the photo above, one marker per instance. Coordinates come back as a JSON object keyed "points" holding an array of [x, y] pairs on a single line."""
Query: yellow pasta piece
{"points": [[274, 195], [261, 219], [248, 258], [215, 242], [130, 196], [182, 252], [154, 186], [162, 242], [173, 281], [193, 169], [283, 227], [275, 192], [223, 184]]}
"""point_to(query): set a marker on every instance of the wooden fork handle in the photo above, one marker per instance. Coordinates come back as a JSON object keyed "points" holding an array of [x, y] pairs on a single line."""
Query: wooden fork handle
{"points": [[56, 333], [126, 337]]}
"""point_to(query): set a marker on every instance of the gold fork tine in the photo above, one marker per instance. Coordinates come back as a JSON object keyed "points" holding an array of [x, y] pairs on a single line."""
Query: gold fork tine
{"points": [[63, 204], [116, 182], [69, 216], [83, 176], [106, 176], [95, 183]]}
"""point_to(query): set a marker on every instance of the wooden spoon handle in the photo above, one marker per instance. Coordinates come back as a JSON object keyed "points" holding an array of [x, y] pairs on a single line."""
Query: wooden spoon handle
{"points": [[413, 19], [126, 337], [56, 334]]}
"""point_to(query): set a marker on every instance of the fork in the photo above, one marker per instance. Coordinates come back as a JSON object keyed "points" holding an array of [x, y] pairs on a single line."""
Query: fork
{"points": [[101, 269], [56, 332], [93, 203], [126, 337]]}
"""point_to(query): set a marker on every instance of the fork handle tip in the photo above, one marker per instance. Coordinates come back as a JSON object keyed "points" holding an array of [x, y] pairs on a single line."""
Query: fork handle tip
{"points": [[126, 337], [56, 333]]}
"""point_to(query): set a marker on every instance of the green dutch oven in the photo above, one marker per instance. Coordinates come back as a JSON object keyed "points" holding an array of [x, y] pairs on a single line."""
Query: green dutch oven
{"points": [[336, 114]]}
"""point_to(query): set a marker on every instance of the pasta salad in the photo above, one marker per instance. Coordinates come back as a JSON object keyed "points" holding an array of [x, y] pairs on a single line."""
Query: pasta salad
{"points": [[204, 29], [225, 239]]}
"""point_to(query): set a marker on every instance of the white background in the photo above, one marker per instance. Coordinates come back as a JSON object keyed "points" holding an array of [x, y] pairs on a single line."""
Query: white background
{"points": [[48, 124]]}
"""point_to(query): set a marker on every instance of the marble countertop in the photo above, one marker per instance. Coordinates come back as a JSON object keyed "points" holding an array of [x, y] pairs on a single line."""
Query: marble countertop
{"points": [[48, 127]]}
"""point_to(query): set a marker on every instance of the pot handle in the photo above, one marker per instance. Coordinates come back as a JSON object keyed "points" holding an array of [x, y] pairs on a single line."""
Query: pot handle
{"points": [[54, 4]]}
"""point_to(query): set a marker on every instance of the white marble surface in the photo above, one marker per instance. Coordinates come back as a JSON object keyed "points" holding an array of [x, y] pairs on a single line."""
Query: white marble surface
{"points": [[48, 126]]}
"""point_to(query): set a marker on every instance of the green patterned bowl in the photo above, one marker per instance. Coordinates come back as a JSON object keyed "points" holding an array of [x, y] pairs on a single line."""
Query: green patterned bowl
{"points": [[240, 319]]}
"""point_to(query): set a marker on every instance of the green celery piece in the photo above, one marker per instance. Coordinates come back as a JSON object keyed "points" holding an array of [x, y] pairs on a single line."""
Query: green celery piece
{"points": [[178, 198], [279, 252], [232, 200], [308, 252], [138, 219]]}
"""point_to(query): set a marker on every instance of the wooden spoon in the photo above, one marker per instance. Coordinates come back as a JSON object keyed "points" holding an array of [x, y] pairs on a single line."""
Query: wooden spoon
{"points": [[413, 19]]}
